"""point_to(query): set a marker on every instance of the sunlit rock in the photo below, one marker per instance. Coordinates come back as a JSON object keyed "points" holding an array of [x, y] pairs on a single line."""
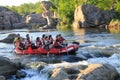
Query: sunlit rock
{"points": [[59, 74], [91, 16], [98, 72]]}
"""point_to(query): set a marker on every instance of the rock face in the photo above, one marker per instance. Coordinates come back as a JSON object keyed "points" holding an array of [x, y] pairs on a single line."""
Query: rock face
{"points": [[7, 67], [91, 16], [51, 17], [84, 72], [9, 19], [45, 20], [35, 19], [98, 72], [59, 74]]}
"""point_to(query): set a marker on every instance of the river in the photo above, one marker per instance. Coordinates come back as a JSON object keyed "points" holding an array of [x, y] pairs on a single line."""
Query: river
{"points": [[96, 46]]}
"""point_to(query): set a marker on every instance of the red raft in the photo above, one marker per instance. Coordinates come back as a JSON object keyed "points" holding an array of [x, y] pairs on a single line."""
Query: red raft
{"points": [[68, 49]]}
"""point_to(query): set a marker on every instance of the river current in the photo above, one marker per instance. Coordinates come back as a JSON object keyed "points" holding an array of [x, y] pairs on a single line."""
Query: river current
{"points": [[96, 46]]}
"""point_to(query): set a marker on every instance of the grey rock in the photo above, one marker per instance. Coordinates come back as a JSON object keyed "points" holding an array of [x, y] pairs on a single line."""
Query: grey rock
{"points": [[7, 67], [20, 74], [91, 16], [2, 78], [98, 72]]}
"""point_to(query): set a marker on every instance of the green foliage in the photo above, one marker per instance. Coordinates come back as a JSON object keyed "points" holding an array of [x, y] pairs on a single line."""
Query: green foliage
{"points": [[27, 8], [66, 8]]}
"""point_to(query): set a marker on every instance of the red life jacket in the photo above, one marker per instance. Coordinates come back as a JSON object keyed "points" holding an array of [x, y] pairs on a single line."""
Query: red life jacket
{"points": [[28, 43], [61, 40], [56, 42], [38, 43]]}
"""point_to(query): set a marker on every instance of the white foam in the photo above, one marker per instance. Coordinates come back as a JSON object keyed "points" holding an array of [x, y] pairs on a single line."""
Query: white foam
{"points": [[114, 60], [33, 74]]}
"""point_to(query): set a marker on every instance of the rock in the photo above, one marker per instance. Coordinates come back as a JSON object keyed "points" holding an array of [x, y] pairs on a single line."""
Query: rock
{"points": [[98, 72], [8, 18], [19, 25], [37, 65], [91, 16], [2, 78], [73, 76], [20, 74], [46, 5], [59, 74], [9, 38], [35, 20], [51, 17], [7, 67], [71, 71]]}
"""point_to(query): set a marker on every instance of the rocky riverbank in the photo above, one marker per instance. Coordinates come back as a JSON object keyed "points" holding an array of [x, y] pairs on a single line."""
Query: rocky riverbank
{"points": [[56, 71], [13, 20]]}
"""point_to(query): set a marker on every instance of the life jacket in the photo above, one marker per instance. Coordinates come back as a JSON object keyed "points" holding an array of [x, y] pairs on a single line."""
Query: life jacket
{"points": [[16, 38], [38, 43], [18, 44], [56, 42], [61, 39], [28, 43], [51, 41]]}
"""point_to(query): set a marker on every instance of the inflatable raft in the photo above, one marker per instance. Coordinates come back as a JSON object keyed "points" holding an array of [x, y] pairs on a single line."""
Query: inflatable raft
{"points": [[70, 49]]}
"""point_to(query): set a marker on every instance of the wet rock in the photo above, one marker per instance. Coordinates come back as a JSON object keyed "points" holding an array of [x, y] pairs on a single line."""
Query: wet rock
{"points": [[72, 59], [82, 67], [19, 65], [91, 16], [59, 74], [7, 67], [37, 65], [20, 74], [73, 76], [2, 78], [9, 38], [71, 71], [98, 72]]}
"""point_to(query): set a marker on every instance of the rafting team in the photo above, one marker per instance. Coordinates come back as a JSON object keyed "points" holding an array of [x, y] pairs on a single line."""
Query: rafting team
{"points": [[46, 42]]}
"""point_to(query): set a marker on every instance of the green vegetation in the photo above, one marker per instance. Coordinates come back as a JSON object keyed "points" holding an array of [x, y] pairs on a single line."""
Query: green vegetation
{"points": [[65, 8], [27, 8]]}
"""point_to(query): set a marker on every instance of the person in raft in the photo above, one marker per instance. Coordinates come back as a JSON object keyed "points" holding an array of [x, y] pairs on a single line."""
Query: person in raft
{"points": [[38, 42], [27, 42], [62, 40], [18, 44], [57, 43], [50, 40], [16, 38]]}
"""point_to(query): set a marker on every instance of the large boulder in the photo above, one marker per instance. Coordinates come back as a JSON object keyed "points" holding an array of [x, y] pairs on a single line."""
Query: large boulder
{"points": [[91, 16], [9, 38], [46, 5], [7, 67], [98, 72], [51, 17], [2, 78], [35, 19], [8, 18]]}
